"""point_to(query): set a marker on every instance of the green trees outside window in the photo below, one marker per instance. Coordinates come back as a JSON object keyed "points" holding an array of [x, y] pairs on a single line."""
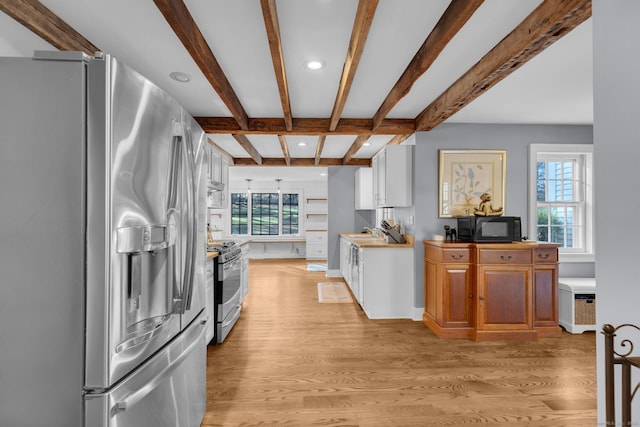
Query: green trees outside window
{"points": [[264, 214]]}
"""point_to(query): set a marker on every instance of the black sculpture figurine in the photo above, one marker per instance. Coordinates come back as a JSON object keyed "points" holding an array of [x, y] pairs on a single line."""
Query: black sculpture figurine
{"points": [[450, 234]]}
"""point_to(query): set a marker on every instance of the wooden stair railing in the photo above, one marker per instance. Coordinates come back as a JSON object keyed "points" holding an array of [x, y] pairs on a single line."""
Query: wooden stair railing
{"points": [[623, 357]]}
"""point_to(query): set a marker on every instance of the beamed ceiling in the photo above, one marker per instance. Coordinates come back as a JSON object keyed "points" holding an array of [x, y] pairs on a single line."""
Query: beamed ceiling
{"points": [[392, 67]]}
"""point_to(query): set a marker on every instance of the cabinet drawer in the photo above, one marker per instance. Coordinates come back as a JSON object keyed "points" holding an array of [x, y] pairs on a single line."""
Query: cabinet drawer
{"points": [[505, 256], [316, 251], [456, 255], [316, 237], [542, 255]]}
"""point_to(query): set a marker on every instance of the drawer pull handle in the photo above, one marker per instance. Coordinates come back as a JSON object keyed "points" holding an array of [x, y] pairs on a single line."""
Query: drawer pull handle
{"points": [[458, 256], [545, 256], [505, 258], [481, 298]]}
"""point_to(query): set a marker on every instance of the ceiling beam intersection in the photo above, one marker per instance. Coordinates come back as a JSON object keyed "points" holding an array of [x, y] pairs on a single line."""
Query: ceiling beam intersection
{"points": [[179, 18], [270, 14], [451, 21], [361, 26], [551, 20]]}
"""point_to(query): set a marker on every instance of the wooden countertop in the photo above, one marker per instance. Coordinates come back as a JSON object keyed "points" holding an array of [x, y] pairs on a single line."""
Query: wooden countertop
{"points": [[365, 240], [211, 254]]}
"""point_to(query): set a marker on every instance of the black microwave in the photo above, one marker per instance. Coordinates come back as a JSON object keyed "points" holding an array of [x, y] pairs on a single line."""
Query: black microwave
{"points": [[490, 229]]}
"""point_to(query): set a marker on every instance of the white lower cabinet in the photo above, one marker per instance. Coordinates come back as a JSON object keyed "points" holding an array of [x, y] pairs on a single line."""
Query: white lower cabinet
{"points": [[380, 278], [316, 247]]}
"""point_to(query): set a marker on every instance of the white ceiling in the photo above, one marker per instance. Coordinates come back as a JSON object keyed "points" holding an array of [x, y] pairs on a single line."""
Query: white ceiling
{"points": [[553, 88]]}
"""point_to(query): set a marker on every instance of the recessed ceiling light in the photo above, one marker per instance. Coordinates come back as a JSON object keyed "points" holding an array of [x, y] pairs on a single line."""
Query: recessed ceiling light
{"points": [[180, 77], [314, 64], [302, 144], [323, 174], [366, 144]]}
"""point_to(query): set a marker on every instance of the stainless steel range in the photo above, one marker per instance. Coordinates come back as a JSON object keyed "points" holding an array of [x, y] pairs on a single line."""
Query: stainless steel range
{"points": [[227, 293]]}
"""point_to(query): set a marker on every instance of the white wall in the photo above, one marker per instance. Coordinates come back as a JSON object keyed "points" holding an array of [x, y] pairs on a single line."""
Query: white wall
{"points": [[616, 36]]}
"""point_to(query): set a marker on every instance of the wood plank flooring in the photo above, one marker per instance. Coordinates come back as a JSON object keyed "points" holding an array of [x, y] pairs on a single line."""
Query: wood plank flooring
{"points": [[293, 361]]}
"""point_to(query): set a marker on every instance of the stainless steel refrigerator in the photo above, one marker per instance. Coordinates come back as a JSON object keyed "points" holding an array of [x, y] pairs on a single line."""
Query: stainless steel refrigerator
{"points": [[102, 247]]}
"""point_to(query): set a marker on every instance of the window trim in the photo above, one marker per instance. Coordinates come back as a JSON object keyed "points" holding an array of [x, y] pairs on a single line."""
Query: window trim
{"points": [[572, 150], [278, 236]]}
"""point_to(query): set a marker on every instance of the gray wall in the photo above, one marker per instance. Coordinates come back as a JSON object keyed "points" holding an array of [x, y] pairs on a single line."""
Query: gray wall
{"points": [[616, 35], [515, 139], [343, 218]]}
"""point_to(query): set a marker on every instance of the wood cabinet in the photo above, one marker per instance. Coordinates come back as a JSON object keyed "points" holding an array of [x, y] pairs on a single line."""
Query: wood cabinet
{"points": [[393, 176], [449, 309], [491, 291]]}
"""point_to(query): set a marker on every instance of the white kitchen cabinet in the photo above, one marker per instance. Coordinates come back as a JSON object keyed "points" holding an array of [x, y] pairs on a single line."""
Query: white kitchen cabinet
{"points": [[393, 176], [345, 260], [217, 178], [364, 189], [381, 279], [315, 210], [386, 282], [316, 247]]}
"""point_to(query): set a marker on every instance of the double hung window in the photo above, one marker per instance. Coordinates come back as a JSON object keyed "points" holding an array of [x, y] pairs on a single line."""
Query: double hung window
{"points": [[561, 198]]}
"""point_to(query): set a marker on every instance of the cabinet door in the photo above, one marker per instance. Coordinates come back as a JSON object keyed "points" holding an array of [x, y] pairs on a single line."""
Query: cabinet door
{"points": [[457, 296], [545, 296], [431, 284], [504, 298], [364, 189], [379, 179]]}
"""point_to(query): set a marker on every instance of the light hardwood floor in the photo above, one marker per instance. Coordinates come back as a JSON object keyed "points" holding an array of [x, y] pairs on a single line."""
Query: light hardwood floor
{"points": [[293, 361]]}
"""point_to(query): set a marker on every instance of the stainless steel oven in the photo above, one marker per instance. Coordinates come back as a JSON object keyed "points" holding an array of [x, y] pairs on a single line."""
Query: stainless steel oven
{"points": [[227, 288]]}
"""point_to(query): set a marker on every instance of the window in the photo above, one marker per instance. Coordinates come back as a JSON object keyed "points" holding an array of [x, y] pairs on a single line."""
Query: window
{"points": [[264, 214], [561, 198]]}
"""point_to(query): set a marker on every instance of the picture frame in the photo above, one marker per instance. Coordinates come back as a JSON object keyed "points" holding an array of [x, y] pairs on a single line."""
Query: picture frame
{"points": [[466, 175]]}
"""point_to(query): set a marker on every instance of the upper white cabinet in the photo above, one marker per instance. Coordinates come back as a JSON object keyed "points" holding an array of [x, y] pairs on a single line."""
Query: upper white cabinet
{"points": [[392, 177], [217, 178], [364, 188]]}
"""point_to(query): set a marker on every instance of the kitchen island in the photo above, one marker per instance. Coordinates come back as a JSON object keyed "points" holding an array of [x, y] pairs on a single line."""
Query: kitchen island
{"points": [[379, 274], [491, 291]]}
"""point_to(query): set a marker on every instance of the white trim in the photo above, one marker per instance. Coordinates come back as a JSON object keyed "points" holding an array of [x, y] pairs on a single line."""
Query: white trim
{"points": [[568, 149]]}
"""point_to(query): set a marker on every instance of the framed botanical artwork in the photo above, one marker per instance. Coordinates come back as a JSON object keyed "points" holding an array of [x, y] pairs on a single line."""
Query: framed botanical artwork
{"points": [[471, 182]]}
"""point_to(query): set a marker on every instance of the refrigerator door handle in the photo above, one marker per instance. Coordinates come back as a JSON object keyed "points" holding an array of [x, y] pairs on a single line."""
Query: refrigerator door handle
{"points": [[193, 218], [183, 302]]}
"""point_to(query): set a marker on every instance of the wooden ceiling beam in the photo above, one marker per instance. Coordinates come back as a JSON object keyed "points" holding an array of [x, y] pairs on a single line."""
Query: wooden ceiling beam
{"points": [[355, 147], [249, 148], [285, 149], [47, 25], [319, 148], [276, 126], [361, 26], [452, 20], [270, 14], [182, 23], [398, 139], [297, 161], [551, 20]]}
